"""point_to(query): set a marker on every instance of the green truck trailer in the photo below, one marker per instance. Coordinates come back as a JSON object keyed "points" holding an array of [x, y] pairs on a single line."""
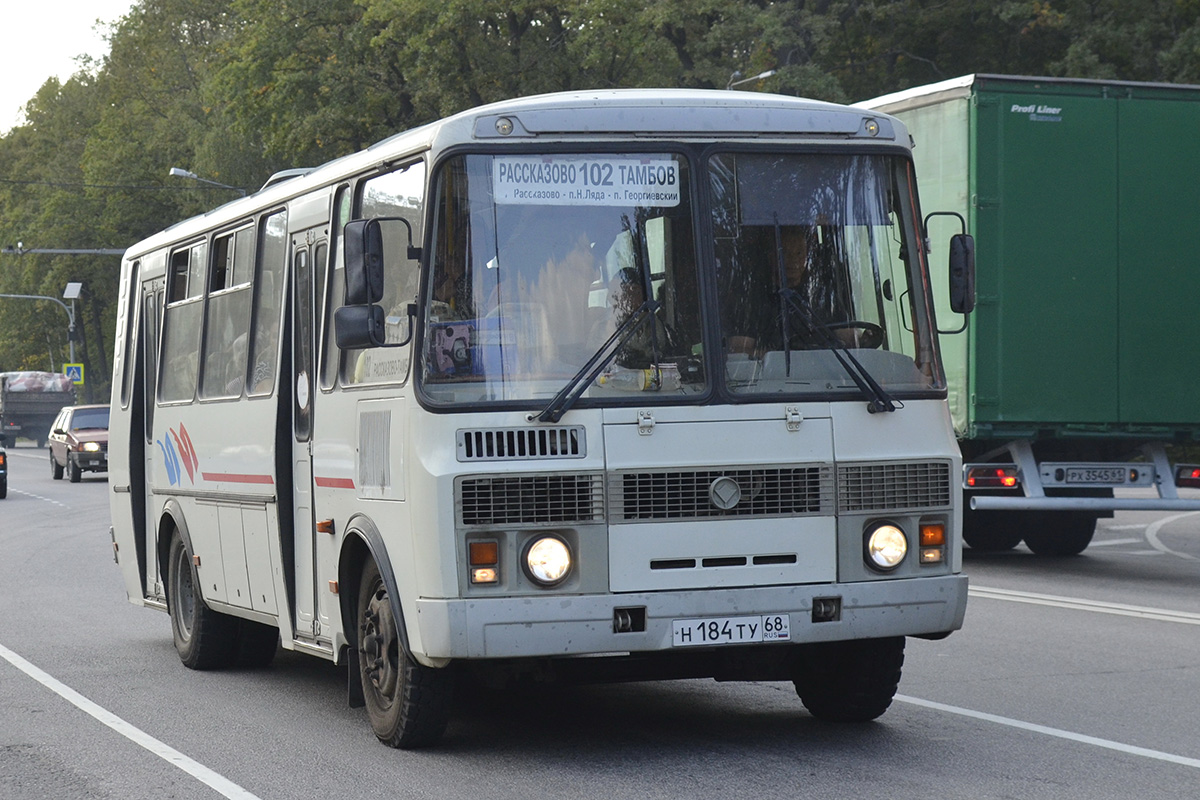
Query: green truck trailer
{"points": [[1080, 365]]}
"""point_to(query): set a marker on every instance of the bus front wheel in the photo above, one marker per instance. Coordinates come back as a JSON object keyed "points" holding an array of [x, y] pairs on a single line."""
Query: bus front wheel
{"points": [[407, 702], [852, 681], [204, 639]]}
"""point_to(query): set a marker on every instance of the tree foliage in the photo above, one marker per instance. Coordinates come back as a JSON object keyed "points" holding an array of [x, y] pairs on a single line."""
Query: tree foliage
{"points": [[235, 90]]}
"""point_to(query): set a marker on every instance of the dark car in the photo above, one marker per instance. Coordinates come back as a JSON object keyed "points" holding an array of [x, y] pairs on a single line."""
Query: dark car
{"points": [[3, 472], [79, 442]]}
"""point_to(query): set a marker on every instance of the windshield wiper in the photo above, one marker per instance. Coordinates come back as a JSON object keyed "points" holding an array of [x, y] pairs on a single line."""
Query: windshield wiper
{"points": [[790, 300], [574, 388], [647, 311], [877, 397]]}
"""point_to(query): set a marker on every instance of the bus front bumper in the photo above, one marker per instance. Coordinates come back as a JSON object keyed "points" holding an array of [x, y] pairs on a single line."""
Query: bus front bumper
{"points": [[566, 625]]}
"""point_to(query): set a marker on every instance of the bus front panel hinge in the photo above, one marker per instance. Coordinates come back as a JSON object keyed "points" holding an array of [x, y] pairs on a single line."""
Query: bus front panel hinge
{"points": [[793, 417], [645, 423]]}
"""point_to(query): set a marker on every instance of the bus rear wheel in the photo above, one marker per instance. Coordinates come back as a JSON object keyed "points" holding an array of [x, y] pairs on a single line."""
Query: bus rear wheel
{"points": [[204, 639], [407, 702], [851, 681]]}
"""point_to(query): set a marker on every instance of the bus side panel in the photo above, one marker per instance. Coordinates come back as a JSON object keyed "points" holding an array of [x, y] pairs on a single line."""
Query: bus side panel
{"points": [[125, 405], [220, 458]]}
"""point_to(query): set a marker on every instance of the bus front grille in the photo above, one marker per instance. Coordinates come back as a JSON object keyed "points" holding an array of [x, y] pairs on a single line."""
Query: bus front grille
{"points": [[558, 498], [880, 487], [698, 494], [518, 444]]}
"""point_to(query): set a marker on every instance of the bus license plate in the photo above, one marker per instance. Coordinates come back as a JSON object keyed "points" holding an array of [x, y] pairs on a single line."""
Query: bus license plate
{"points": [[1096, 475], [730, 630]]}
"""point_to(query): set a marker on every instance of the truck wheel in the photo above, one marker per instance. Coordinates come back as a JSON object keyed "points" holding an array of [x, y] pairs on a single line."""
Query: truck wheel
{"points": [[204, 639], [991, 532], [408, 703], [851, 681], [74, 473], [56, 470], [1062, 533]]}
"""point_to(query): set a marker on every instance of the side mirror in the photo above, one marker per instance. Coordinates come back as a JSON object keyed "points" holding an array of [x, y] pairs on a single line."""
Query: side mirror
{"points": [[962, 268], [359, 326], [364, 262], [962, 273], [360, 322]]}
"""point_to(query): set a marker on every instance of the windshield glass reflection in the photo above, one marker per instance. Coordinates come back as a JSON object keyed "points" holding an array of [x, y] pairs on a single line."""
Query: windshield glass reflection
{"points": [[540, 259]]}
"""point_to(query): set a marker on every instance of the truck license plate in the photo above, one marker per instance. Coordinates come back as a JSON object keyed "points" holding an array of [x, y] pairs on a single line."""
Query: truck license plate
{"points": [[730, 630], [1096, 475]]}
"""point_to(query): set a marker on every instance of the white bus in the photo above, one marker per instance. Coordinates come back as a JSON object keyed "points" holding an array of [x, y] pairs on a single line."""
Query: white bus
{"points": [[597, 386]]}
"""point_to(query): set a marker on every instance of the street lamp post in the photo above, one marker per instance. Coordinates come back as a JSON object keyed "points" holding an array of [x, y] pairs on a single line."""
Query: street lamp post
{"points": [[733, 79], [176, 172], [71, 292]]}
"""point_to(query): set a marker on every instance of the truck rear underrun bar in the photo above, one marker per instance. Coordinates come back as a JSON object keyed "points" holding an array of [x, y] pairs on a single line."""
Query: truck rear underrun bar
{"points": [[985, 503]]}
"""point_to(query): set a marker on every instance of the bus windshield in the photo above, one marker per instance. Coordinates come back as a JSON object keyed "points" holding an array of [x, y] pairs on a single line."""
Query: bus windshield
{"points": [[813, 256], [539, 260]]}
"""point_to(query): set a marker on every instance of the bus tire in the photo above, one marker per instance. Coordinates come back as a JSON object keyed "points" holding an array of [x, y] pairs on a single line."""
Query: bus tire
{"points": [[1062, 533], [851, 681], [204, 639], [408, 703]]}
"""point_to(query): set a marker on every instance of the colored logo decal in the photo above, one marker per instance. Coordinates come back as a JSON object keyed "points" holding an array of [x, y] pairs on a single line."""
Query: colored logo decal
{"points": [[178, 452]]}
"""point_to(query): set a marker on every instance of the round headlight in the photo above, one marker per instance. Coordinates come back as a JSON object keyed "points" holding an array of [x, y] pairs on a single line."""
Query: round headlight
{"points": [[548, 560], [886, 546]]}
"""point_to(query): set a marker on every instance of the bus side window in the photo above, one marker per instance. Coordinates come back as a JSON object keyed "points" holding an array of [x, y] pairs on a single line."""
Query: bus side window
{"points": [[227, 327], [268, 303], [396, 194], [181, 326], [335, 291]]}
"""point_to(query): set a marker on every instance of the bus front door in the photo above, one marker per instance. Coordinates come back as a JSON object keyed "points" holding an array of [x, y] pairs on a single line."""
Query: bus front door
{"points": [[315, 563]]}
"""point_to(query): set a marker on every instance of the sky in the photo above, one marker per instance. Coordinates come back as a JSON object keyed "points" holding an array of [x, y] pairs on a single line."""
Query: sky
{"points": [[43, 39]]}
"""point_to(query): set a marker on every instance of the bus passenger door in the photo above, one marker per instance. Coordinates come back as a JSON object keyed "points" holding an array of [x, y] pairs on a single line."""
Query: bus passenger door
{"points": [[148, 331], [312, 561]]}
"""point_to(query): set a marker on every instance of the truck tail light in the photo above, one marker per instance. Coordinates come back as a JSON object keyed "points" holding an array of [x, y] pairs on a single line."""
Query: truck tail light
{"points": [[992, 476], [1188, 476]]}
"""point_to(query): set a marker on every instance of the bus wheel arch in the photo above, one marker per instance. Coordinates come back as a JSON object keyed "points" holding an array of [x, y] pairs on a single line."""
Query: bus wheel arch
{"points": [[407, 702], [170, 523], [205, 639]]}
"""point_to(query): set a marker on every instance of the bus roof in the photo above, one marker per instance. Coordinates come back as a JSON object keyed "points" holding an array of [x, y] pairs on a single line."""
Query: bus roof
{"points": [[565, 116]]}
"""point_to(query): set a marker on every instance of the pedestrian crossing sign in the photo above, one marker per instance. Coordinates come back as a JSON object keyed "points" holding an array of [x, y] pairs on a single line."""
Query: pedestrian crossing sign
{"points": [[74, 372]]}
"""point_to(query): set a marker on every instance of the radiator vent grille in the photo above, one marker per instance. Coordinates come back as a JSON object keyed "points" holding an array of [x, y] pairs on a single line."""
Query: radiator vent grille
{"points": [[764, 492], [560, 498], [870, 487], [374, 444], [518, 444]]}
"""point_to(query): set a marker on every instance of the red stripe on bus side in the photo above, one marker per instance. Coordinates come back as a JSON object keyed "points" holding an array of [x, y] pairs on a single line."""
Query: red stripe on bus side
{"points": [[334, 483], [229, 477]]}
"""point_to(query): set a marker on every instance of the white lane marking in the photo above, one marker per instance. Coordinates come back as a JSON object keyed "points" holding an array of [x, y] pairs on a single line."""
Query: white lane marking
{"points": [[1056, 732], [1079, 604], [1133, 526], [39, 497], [1152, 535], [208, 777], [1111, 542]]}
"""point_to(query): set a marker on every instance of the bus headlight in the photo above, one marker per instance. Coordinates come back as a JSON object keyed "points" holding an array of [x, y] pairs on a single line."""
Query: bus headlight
{"points": [[886, 546], [547, 560]]}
